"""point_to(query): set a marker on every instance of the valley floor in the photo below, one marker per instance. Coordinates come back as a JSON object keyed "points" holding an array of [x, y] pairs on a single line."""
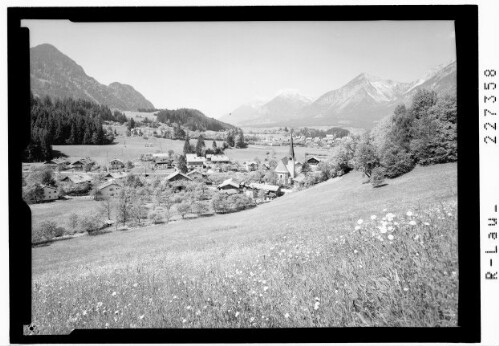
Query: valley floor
{"points": [[298, 261]]}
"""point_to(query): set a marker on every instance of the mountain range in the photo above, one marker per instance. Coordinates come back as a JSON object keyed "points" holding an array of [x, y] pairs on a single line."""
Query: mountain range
{"points": [[56, 75], [361, 102]]}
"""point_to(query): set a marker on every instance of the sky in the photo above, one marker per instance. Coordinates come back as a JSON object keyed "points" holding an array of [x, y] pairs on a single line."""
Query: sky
{"points": [[217, 66]]}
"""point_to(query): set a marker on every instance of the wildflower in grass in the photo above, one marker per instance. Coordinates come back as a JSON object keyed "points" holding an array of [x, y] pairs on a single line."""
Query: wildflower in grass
{"points": [[409, 213], [113, 294], [416, 237], [84, 313], [204, 307], [141, 317], [406, 289], [316, 305], [426, 224], [99, 304], [412, 223], [107, 325], [390, 216], [174, 297], [357, 227], [252, 319], [355, 251], [184, 320], [373, 217], [264, 282], [237, 313], [384, 210], [286, 315], [116, 312], [382, 229], [198, 312], [135, 284], [449, 214], [390, 237], [265, 288], [454, 273], [360, 221], [188, 307]]}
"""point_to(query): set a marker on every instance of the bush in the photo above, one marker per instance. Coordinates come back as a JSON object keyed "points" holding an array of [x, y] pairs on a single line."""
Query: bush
{"points": [[155, 217], [46, 231], [88, 224], [396, 161], [377, 176]]}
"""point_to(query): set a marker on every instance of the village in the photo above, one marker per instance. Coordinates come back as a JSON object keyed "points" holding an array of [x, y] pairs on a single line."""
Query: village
{"points": [[207, 183]]}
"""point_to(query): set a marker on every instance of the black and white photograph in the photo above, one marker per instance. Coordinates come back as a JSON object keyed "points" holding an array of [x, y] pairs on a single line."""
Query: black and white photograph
{"points": [[242, 174]]}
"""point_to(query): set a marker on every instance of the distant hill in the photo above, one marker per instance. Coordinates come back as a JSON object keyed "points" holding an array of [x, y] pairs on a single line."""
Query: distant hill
{"points": [[58, 76], [360, 103], [192, 119]]}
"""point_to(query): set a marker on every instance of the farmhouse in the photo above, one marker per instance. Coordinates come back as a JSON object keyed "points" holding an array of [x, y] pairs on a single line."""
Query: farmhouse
{"points": [[176, 176], [116, 164], [312, 161], [196, 175], [81, 178], [271, 191], [220, 159], [229, 186], [109, 189], [49, 193], [194, 161]]}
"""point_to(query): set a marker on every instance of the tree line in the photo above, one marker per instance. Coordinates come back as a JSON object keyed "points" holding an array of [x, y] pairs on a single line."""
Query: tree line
{"points": [[193, 119], [67, 121]]}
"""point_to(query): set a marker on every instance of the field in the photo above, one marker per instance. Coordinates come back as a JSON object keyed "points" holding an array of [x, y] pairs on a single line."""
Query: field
{"points": [[59, 210], [338, 254], [130, 148]]}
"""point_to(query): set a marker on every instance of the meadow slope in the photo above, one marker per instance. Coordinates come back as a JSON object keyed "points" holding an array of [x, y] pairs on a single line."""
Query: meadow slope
{"points": [[297, 261]]}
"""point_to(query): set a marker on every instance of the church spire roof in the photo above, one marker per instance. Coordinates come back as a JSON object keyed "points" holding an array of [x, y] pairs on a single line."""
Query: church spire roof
{"points": [[291, 149]]}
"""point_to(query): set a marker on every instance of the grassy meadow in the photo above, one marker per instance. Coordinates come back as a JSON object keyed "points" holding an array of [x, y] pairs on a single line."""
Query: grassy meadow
{"points": [[341, 253], [130, 148]]}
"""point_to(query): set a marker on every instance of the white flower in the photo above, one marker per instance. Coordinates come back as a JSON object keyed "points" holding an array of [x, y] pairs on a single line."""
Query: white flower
{"points": [[184, 320], [389, 228], [265, 288], [141, 317], [416, 237], [316, 305], [99, 304], [450, 214], [355, 251], [357, 227], [426, 224], [286, 315], [382, 229], [188, 307], [390, 216], [373, 217], [198, 313], [360, 221], [454, 273], [116, 312], [84, 313], [390, 237], [252, 319], [237, 313], [113, 294], [384, 210], [409, 213], [412, 223], [135, 285], [406, 289], [317, 299]]}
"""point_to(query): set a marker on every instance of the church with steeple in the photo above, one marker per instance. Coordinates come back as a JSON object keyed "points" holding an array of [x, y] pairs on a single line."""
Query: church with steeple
{"points": [[286, 168]]}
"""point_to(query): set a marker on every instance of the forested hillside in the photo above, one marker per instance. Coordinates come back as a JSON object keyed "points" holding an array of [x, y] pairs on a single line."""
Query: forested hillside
{"points": [[192, 119], [66, 121]]}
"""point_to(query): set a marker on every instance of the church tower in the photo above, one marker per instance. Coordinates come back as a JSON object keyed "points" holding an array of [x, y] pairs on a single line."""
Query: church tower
{"points": [[291, 158]]}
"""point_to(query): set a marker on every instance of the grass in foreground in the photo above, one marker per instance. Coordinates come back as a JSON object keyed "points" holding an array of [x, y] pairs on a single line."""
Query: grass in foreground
{"points": [[388, 270]]}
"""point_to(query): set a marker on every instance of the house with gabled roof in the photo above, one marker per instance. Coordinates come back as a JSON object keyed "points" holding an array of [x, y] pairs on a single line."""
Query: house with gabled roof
{"points": [[229, 186], [176, 176], [109, 189], [194, 161]]}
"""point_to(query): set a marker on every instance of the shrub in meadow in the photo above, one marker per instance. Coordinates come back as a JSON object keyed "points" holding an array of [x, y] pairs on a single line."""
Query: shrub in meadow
{"points": [[155, 216], [377, 176], [87, 223]]}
